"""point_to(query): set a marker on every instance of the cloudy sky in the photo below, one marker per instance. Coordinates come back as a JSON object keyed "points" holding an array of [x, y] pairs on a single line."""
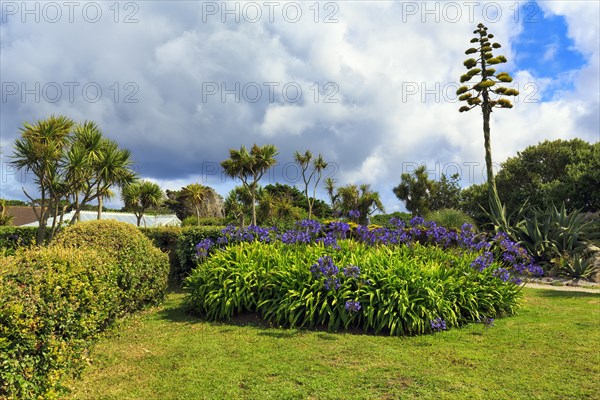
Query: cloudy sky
{"points": [[369, 84]]}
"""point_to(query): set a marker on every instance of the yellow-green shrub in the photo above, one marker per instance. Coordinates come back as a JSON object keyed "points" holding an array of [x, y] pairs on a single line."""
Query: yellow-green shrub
{"points": [[144, 269], [52, 302], [55, 300]]}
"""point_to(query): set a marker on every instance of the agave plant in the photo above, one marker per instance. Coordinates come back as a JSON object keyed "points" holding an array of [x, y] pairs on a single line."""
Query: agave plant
{"points": [[577, 266], [553, 234]]}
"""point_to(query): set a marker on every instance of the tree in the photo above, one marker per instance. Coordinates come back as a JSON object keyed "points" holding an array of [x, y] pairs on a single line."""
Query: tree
{"points": [[195, 193], [94, 165], [320, 209], [318, 165], [330, 189], [551, 172], [237, 205], [485, 94], [352, 198], [250, 167], [72, 164], [276, 208], [415, 191], [446, 193], [474, 201], [141, 196], [41, 150]]}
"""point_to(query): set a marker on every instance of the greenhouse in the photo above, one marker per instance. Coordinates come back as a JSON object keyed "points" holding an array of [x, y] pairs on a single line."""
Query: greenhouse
{"points": [[148, 221]]}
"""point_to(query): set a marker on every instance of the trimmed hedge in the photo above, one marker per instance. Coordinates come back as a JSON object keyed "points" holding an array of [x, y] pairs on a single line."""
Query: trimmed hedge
{"points": [[186, 248], [55, 300], [145, 269], [180, 243], [52, 302], [13, 237]]}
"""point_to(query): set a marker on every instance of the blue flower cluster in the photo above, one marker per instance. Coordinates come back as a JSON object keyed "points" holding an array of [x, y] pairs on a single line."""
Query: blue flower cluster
{"points": [[354, 214], [438, 324], [353, 306], [487, 322], [204, 247], [351, 271], [325, 267], [483, 261], [509, 258]]}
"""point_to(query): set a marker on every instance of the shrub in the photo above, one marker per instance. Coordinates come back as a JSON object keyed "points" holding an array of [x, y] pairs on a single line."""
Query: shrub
{"points": [[166, 238], [52, 302], [192, 221], [185, 249], [450, 218], [394, 289], [384, 219], [144, 268], [12, 238]]}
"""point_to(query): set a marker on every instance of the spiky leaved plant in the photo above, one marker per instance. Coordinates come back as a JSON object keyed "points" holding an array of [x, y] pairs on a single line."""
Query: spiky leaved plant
{"points": [[487, 94]]}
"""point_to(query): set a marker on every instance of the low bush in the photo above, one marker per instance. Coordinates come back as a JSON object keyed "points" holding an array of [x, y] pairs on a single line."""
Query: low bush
{"points": [[400, 290], [192, 221], [11, 238], [166, 239], [55, 300], [185, 249], [52, 302], [450, 218], [144, 268], [559, 240]]}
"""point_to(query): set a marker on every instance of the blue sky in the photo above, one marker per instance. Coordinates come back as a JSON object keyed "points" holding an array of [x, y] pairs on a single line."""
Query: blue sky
{"points": [[370, 85], [544, 48]]}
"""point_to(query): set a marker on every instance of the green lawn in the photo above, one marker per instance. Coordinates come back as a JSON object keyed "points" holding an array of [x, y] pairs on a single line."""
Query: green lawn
{"points": [[550, 350]]}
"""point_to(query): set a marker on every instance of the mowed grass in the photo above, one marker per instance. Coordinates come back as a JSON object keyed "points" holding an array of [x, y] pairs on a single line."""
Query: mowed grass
{"points": [[550, 350]]}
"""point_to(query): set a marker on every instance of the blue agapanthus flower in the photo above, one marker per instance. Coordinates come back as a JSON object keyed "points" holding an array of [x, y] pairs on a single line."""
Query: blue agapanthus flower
{"points": [[438, 324], [353, 306]]}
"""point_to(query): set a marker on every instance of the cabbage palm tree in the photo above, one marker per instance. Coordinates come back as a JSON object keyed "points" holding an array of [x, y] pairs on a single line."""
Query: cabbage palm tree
{"points": [[196, 193], [237, 204], [359, 198], [318, 165], [94, 165], [250, 167], [140, 196], [40, 150]]}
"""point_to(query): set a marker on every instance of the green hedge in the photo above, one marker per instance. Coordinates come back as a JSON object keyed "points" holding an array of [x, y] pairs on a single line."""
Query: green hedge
{"points": [[145, 268], [180, 243], [55, 300], [400, 289], [13, 237], [186, 248]]}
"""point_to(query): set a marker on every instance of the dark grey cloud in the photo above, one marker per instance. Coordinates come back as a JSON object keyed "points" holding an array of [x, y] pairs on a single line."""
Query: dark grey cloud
{"points": [[163, 79]]}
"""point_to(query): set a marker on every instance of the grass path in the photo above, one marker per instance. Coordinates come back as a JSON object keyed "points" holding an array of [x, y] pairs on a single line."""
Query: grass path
{"points": [[551, 350]]}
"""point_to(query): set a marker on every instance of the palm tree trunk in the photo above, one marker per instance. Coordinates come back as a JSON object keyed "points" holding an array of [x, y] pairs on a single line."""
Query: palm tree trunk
{"points": [[99, 207], [253, 208]]}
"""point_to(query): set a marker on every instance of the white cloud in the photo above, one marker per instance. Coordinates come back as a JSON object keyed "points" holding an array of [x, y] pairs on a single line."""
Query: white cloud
{"points": [[394, 76]]}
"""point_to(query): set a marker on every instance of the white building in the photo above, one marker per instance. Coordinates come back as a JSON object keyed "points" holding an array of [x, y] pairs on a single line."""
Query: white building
{"points": [[148, 221]]}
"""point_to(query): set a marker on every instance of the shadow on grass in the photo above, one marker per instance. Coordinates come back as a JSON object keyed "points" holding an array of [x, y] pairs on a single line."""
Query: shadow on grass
{"points": [[176, 310], [565, 294]]}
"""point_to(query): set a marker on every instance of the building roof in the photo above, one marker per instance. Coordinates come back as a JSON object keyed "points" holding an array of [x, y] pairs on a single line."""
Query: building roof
{"points": [[148, 221], [22, 215]]}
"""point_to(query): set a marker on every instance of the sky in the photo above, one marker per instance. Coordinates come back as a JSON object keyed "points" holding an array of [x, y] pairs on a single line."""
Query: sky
{"points": [[368, 84]]}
